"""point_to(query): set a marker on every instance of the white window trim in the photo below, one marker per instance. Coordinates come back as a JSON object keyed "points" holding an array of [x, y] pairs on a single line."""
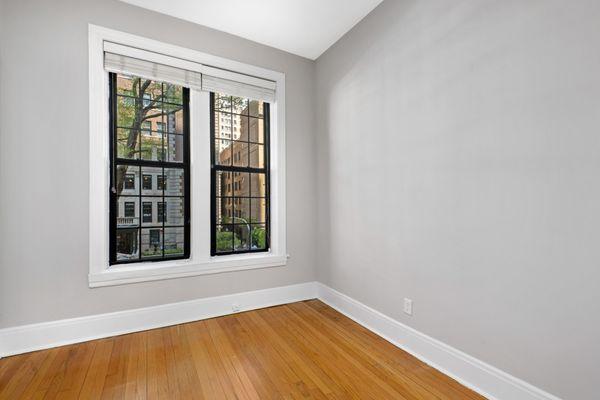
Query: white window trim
{"points": [[200, 261]]}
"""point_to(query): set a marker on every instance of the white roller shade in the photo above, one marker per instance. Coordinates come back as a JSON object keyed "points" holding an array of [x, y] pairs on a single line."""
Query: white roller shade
{"points": [[160, 67], [238, 85], [151, 70]]}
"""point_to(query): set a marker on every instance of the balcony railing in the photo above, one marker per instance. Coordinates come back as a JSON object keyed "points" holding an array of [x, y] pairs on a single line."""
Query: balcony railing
{"points": [[127, 221]]}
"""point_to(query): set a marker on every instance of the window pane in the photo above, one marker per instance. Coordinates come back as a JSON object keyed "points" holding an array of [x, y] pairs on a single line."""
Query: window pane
{"points": [[259, 237], [126, 244], [223, 152], [239, 105], [258, 210], [152, 243], [258, 186], [256, 108], [126, 111], [173, 118], [173, 93], [175, 148], [241, 210], [128, 144], [242, 237], [222, 102], [257, 132], [223, 182], [257, 155], [240, 154], [223, 210], [223, 123], [127, 212], [126, 180], [241, 184], [128, 85], [239, 127], [151, 180], [175, 212], [152, 146], [174, 182], [174, 242], [224, 238]]}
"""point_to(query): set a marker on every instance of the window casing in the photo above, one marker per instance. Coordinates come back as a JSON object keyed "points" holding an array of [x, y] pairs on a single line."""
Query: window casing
{"points": [[101, 272]]}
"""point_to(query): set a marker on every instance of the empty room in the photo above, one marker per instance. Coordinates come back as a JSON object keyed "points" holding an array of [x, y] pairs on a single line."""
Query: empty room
{"points": [[300, 199]]}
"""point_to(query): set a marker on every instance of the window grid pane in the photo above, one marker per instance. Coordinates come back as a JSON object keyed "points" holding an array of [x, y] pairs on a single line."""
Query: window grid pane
{"points": [[240, 171], [149, 170]]}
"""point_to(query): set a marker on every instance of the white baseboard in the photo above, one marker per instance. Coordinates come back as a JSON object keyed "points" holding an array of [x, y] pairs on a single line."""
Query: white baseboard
{"points": [[469, 371], [26, 338]]}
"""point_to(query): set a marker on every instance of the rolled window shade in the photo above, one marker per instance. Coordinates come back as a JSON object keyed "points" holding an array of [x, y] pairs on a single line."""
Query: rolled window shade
{"points": [[152, 65], [152, 70], [236, 88]]}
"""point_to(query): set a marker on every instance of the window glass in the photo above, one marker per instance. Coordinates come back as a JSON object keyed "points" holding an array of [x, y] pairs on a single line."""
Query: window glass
{"points": [[149, 131], [240, 174]]}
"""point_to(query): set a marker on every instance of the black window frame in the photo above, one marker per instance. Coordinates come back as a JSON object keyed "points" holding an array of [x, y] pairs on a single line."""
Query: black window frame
{"points": [[140, 163], [216, 167]]}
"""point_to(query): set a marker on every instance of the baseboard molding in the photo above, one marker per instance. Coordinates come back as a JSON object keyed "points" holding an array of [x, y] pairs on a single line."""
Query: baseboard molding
{"points": [[469, 371], [26, 338]]}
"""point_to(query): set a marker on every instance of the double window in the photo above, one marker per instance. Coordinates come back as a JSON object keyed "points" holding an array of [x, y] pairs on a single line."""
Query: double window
{"points": [[239, 132], [196, 151]]}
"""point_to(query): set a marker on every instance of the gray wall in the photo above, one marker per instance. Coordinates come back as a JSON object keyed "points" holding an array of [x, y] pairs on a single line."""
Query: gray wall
{"points": [[459, 165], [44, 160]]}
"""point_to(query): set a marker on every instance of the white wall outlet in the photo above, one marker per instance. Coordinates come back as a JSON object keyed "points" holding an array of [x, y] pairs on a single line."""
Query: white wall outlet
{"points": [[407, 306], [235, 307]]}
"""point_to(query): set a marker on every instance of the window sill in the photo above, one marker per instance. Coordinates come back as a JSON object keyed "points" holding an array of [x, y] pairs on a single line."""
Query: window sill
{"points": [[144, 272]]}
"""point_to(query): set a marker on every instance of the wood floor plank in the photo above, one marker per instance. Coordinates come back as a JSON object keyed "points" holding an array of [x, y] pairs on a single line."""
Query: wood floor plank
{"points": [[300, 351], [442, 385]]}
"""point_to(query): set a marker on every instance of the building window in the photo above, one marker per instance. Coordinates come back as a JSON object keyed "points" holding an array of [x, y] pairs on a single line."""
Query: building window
{"points": [[160, 212], [129, 209], [146, 211], [161, 183], [241, 226], [129, 182], [136, 104], [155, 237], [147, 182]]}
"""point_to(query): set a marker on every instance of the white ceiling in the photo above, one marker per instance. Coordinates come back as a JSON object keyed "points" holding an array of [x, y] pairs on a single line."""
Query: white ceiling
{"points": [[303, 27]]}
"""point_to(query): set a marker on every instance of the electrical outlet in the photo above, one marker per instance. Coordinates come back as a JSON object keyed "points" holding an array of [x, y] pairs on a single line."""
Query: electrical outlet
{"points": [[235, 307], [407, 306]]}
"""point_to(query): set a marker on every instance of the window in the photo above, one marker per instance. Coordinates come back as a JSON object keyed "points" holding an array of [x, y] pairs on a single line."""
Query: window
{"points": [[161, 183], [241, 226], [129, 211], [150, 105], [129, 182], [147, 182], [146, 211], [155, 237], [160, 212], [134, 156]]}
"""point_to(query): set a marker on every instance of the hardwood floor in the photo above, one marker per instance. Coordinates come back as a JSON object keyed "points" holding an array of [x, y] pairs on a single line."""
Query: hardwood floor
{"points": [[303, 350]]}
